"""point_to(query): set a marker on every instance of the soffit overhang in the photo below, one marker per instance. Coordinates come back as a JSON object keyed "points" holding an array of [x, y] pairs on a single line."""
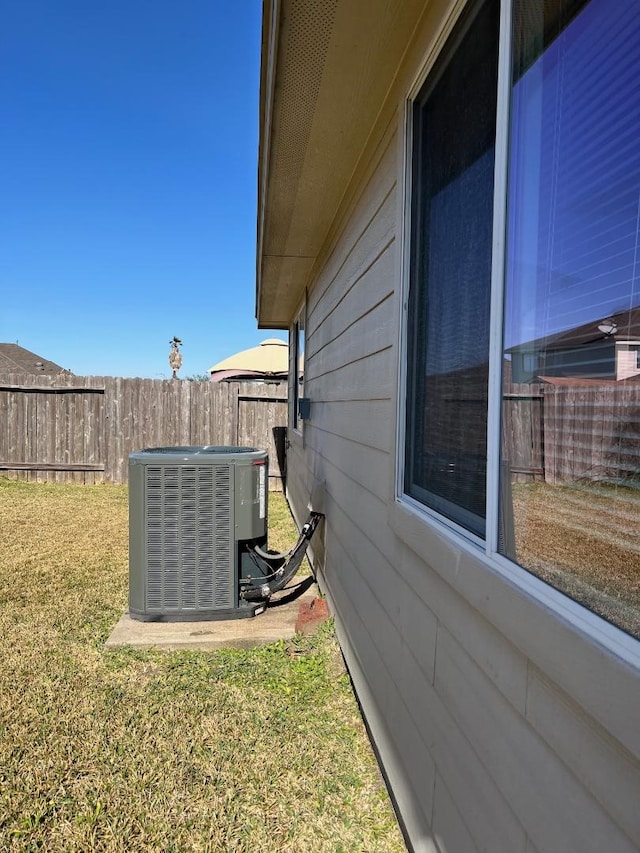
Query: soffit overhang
{"points": [[327, 68]]}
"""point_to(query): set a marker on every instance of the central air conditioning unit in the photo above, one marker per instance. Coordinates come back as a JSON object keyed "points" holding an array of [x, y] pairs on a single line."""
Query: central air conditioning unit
{"points": [[193, 514]]}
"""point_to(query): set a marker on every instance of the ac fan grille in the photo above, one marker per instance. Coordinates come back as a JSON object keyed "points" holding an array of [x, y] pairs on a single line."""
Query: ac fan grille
{"points": [[189, 537]]}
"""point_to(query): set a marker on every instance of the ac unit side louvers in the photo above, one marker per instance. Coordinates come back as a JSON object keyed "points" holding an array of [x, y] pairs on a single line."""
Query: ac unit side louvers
{"points": [[193, 514]]}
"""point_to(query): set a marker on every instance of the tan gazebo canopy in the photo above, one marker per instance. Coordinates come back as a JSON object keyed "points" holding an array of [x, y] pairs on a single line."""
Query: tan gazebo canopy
{"points": [[269, 359]]}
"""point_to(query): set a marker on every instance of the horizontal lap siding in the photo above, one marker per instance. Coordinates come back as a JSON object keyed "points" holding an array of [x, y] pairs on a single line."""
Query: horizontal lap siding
{"points": [[387, 626], [349, 367], [347, 383], [349, 345], [564, 780], [366, 336], [350, 376], [405, 635], [449, 827], [534, 778], [588, 750], [484, 752], [397, 734], [365, 465], [400, 646]]}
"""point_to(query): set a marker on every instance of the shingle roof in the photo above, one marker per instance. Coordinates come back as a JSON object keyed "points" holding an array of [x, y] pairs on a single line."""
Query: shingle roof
{"points": [[17, 359], [625, 325]]}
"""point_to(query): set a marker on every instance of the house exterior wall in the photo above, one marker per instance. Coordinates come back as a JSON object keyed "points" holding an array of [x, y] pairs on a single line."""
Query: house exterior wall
{"points": [[505, 717], [627, 360]]}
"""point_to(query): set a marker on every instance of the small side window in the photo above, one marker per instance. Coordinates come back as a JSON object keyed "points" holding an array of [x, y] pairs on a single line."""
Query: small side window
{"points": [[296, 377]]}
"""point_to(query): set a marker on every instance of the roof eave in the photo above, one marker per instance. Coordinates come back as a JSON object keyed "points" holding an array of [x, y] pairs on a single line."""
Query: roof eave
{"points": [[270, 18], [326, 74]]}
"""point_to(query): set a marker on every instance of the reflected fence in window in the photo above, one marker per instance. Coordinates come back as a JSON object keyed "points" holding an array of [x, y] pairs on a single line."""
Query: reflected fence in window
{"points": [[572, 302], [562, 432], [572, 450]]}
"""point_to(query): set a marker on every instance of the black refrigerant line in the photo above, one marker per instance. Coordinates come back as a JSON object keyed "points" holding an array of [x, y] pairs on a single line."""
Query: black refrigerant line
{"points": [[277, 568]]}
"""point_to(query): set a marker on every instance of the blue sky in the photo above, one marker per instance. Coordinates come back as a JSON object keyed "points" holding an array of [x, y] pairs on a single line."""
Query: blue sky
{"points": [[128, 159]]}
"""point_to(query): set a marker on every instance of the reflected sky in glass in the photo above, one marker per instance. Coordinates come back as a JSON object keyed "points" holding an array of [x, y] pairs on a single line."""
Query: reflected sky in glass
{"points": [[574, 197]]}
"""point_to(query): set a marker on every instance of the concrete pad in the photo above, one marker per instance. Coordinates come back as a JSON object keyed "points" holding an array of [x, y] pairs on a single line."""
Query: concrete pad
{"points": [[278, 622]]}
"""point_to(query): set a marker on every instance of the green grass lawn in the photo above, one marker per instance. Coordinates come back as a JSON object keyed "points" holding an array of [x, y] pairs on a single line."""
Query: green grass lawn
{"points": [[260, 750]]}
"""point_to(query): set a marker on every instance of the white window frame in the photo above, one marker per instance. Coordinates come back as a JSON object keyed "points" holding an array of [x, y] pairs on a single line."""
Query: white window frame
{"points": [[418, 524], [490, 542], [296, 388]]}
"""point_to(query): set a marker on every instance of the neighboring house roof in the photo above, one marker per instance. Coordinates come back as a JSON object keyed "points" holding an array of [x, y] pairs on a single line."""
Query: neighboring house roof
{"points": [[623, 326], [270, 359], [17, 359]]}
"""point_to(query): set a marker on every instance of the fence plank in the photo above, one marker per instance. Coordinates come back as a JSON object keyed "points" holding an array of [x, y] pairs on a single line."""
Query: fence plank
{"points": [[522, 431], [257, 417], [592, 433], [49, 466], [82, 429], [557, 432]]}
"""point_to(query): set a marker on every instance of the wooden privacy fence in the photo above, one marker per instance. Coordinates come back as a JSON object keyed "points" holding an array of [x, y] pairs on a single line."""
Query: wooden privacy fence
{"points": [[592, 433], [565, 433], [523, 431], [82, 429]]}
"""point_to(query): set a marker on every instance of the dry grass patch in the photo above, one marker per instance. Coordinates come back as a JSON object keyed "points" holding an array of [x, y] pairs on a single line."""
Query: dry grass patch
{"points": [[585, 541], [259, 750]]}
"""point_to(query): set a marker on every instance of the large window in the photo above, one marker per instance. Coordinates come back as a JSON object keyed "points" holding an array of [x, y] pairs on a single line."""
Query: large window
{"points": [[571, 434], [454, 120], [567, 503]]}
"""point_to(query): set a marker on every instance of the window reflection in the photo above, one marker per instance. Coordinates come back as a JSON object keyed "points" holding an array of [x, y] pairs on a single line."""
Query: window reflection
{"points": [[571, 379]]}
